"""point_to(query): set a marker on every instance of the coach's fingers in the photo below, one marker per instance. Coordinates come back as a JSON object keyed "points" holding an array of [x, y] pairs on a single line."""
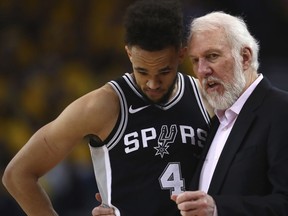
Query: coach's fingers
{"points": [[189, 196], [173, 197]]}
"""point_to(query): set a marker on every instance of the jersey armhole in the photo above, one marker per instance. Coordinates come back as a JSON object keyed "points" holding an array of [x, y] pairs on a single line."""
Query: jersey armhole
{"points": [[95, 141]]}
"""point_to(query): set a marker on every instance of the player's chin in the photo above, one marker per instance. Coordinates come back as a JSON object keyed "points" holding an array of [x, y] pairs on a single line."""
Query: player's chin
{"points": [[155, 95], [155, 99]]}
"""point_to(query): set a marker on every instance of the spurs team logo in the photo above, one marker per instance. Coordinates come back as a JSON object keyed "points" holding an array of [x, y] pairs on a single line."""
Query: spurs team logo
{"points": [[161, 140], [166, 137]]}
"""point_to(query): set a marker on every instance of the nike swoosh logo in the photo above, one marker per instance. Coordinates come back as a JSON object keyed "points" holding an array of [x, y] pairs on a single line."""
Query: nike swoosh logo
{"points": [[132, 111]]}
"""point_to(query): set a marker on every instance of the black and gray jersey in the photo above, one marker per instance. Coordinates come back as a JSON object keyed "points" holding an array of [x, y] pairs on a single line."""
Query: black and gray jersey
{"points": [[152, 151]]}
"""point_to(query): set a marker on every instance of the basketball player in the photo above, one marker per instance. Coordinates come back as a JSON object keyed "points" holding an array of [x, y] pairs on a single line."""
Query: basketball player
{"points": [[145, 129]]}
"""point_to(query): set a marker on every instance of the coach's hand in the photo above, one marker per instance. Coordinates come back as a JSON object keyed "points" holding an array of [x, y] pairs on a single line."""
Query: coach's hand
{"points": [[191, 203]]}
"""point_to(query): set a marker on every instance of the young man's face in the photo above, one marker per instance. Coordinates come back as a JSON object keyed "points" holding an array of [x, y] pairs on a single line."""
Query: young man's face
{"points": [[155, 71]]}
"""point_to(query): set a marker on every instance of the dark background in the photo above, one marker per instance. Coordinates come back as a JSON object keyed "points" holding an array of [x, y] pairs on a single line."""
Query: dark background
{"points": [[52, 52]]}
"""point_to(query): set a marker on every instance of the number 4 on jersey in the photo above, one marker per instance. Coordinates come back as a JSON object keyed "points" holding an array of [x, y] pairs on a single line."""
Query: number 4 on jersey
{"points": [[171, 179]]}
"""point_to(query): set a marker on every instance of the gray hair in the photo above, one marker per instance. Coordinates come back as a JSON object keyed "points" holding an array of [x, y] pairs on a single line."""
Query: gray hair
{"points": [[235, 29]]}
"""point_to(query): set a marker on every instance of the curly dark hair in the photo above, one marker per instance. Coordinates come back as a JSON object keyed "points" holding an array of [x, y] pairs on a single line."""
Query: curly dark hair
{"points": [[154, 24]]}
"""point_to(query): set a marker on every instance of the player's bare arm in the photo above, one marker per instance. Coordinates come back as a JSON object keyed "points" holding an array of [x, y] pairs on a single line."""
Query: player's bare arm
{"points": [[95, 113]]}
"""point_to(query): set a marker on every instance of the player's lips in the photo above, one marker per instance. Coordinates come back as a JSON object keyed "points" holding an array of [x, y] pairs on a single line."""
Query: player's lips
{"points": [[154, 93]]}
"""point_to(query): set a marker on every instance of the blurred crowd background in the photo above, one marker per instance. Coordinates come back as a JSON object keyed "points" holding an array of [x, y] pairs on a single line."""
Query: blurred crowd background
{"points": [[52, 52]]}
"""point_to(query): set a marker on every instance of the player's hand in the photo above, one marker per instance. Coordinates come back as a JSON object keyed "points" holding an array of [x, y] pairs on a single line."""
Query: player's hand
{"points": [[191, 203], [102, 209]]}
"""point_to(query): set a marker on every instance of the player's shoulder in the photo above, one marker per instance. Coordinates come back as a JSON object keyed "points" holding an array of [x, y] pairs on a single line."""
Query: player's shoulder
{"points": [[104, 98], [208, 107], [104, 92], [95, 108]]}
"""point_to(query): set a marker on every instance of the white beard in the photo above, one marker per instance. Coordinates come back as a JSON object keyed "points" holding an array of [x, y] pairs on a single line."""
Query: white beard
{"points": [[232, 90]]}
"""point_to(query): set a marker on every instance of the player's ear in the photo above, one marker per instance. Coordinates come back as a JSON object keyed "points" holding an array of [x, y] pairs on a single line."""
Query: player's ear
{"points": [[128, 51], [182, 53]]}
